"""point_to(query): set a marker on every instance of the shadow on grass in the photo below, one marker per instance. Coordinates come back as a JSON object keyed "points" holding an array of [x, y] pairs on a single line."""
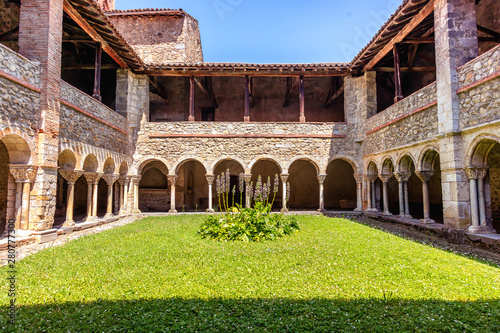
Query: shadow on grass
{"points": [[259, 315]]}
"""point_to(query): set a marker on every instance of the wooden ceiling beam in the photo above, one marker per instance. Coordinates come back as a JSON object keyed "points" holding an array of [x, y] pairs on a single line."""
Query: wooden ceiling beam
{"points": [[82, 23], [415, 21]]}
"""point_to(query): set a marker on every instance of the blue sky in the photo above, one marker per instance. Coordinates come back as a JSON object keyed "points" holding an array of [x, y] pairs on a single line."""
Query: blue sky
{"points": [[293, 31]]}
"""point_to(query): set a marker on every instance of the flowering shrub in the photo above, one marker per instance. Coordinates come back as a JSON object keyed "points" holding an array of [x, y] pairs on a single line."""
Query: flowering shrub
{"points": [[248, 224]]}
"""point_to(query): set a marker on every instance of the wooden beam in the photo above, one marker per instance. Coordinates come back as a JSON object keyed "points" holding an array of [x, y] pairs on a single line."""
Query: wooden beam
{"points": [[88, 67], [75, 15], [210, 88], [418, 40], [415, 21], [246, 118], [191, 99], [397, 75], [336, 90], [288, 93], [97, 73], [7, 35], [161, 91], [488, 31], [223, 72], [405, 69], [202, 88], [302, 116], [251, 93]]}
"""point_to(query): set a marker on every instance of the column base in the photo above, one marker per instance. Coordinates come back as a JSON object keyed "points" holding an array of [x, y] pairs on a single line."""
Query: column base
{"points": [[427, 221], [372, 210], [475, 229], [387, 213], [488, 230], [302, 119], [173, 211], [108, 215], [246, 119], [358, 209], [408, 217], [69, 223], [136, 211], [90, 219], [321, 210], [190, 118], [210, 210], [284, 210]]}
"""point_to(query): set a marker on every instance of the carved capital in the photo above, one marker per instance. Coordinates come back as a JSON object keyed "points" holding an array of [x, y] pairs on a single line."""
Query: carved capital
{"points": [[210, 179], [371, 178], [358, 177], [92, 177], [71, 176], [172, 179], [402, 176], [136, 179], [247, 178], [321, 178], [481, 172], [23, 173], [123, 180], [110, 178], [385, 178], [424, 175]]}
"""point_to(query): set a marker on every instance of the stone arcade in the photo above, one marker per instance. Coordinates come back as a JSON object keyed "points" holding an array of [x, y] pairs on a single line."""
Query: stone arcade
{"points": [[106, 113]]}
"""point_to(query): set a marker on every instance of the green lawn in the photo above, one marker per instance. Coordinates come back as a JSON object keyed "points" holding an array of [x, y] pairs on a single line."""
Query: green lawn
{"points": [[157, 275]]}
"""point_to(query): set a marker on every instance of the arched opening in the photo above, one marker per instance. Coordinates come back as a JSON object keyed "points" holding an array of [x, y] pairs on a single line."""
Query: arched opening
{"points": [[340, 186], [431, 162], [487, 155], [191, 187], [235, 168], [154, 195], [66, 162], [268, 169], [13, 150], [387, 170], [415, 198], [304, 185], [90, 164]]}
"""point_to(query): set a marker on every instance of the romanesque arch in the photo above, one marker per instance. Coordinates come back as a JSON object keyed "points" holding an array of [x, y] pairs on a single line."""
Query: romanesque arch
{"points": [[409, 188], [235, 168], [430, 172], [267, 168], [304, 185], [374, 187], [154, 194], [389, 184], [191, 185], [340, 185]]}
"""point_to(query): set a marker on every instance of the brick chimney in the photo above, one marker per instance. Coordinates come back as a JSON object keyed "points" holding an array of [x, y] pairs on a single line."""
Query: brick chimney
{"points": [[106, 5]]}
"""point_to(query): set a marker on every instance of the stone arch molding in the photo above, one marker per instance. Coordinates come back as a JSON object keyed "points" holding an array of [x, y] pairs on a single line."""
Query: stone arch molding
{"points": [[427, 158], [181, 161], [221, 159], [387, 165], [24, 157], [271, 158], [399, 166], [140, 164], [346, 158], [479, 148], [304, 158]]}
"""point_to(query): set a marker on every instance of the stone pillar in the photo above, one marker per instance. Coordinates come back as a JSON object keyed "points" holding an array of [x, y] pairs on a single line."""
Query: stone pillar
{"points": [[110, 179], [248, 194], [284, 179], [455, 43], [402, 178], [121, 182], [135, 183], [172, 179], [385, 192], [424, 176], [359, 192], [126, 192], [40, 39], [24, 175], [483, 223], [92, 181], [71, 177], [370, 195], [210, 181], [472, 174], [321, 180]]}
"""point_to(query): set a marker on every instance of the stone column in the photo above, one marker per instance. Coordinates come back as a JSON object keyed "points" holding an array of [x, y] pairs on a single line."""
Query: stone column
{"points": [[385, 192], [110, 179], [24, 176], [455, 31], [424, 176], [172, 179], [71, 177], [248, 194], [92, 181], [370, 182], [210, 181], [359, 192], [126, 193], [135, 183], [472, 174], [284, 179], [321, 180], [121, 181], [402, 178], [483, 223]]}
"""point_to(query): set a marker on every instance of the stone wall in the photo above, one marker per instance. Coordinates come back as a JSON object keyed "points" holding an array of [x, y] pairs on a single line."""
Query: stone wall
{"points": [[413, 119], [86, 120], [18, 66], [209, 141], [4, 173], [483, 66], [163, 39], [18, 105]]}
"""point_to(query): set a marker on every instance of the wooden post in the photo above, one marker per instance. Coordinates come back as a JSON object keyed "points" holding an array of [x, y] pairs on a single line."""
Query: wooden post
{"points": [[397, 74], [97, 75], [302, 117], [191, 99], [247, 99]]}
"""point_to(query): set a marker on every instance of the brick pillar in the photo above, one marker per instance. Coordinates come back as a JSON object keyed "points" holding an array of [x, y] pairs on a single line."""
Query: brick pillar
{"points": [[40, 36], [456, 44]]}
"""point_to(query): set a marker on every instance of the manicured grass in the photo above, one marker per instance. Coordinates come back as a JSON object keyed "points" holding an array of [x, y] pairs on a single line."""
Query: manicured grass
{"points": [[157, 275]]}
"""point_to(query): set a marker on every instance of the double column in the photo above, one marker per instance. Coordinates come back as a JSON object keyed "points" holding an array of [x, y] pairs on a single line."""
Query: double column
{"points": [[359, 192], [479, 223], [370, 195], [71, 176], [385, 192], [110, 179], [92, 183], [135, 188], [404, 204], [424, 176], [123, 181], [24, 175], [321, 181], [172, 179]]}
